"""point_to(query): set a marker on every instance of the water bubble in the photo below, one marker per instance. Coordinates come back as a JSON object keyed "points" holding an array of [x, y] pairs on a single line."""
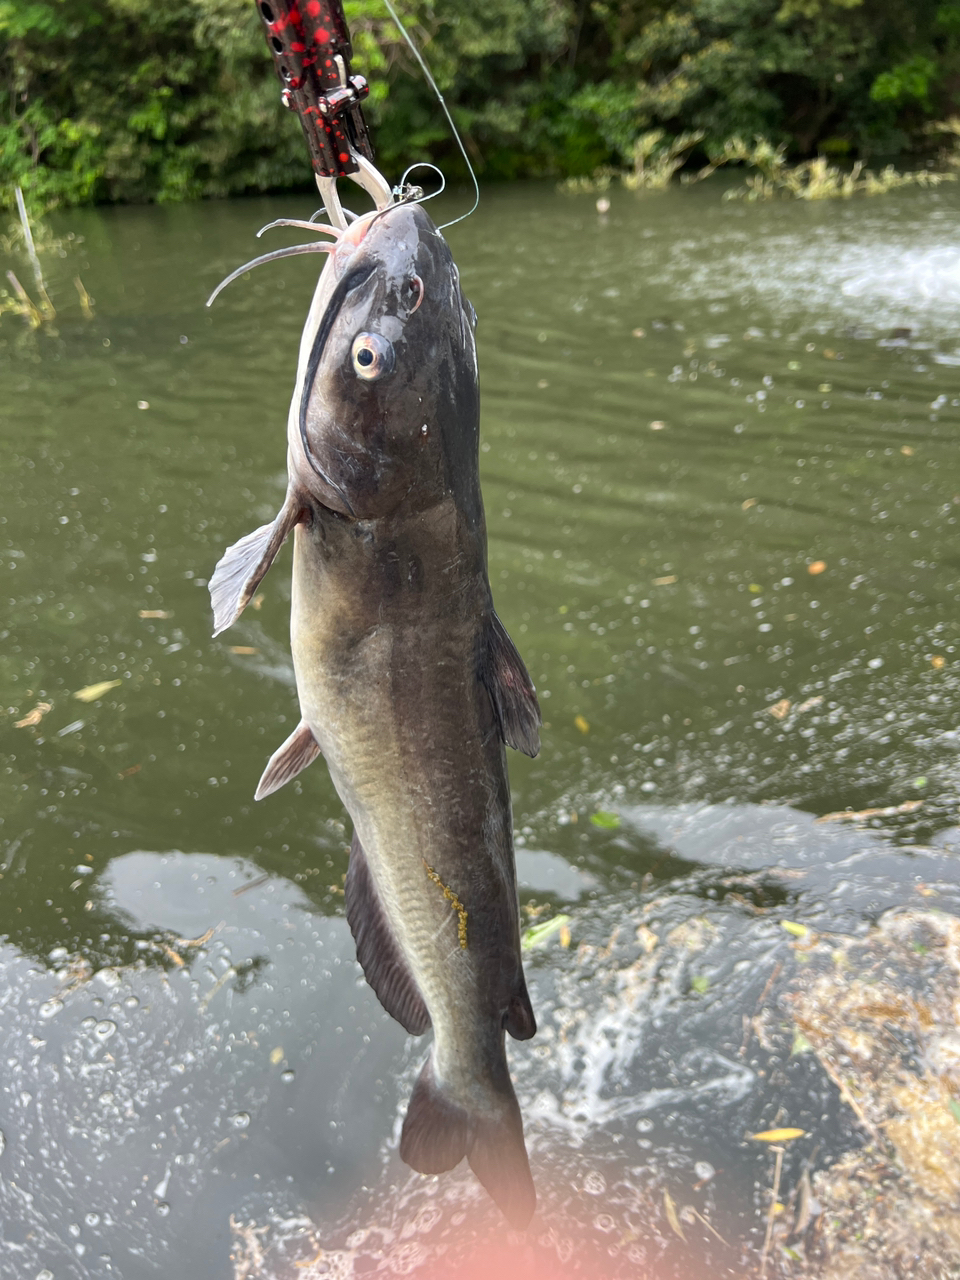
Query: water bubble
{"points": [[287, 1076], [131, 1002], [594, 1184], [88, 1024], [163, 1208], [644, 1124], [106, 1098], [50, 1008], [92, 1219], [3, 1142], [241, 1120], [105, 1029], [109, 977], [44, 1274], [704, 1170]]}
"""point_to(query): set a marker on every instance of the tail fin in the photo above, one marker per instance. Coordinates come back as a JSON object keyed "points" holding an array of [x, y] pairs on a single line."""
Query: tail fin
{"points": [[439, 1131]]}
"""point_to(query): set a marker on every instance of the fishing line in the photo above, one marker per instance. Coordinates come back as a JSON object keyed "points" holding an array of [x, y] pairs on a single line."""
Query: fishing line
{"points": [[456, 133]]}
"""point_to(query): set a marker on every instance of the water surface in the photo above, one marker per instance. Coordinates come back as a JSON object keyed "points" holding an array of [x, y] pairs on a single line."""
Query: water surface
{"points": [[722, 483]]}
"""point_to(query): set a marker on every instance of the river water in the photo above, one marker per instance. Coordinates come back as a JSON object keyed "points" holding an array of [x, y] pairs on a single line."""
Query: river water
{"points": [[722, 482]]}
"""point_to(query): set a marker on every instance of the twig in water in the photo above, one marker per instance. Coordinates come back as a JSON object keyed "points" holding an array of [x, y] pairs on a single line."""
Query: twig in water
{"points": [[220, 982], [772, 1211]]}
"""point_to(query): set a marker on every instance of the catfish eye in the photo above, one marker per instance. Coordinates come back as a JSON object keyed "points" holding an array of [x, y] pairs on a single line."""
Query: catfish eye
{"points": [[372, 356]]}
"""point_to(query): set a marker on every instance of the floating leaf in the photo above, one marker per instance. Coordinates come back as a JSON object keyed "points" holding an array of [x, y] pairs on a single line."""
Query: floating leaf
{"points": [[907, 451], [245, 650], [657, 426], [582, 724], [938, 662], [919, 783], [777, 1135], [810, 702], [747, 503], [665, 581], [647, 938], [791, 926], [780, 709], [154, 613], [33, 717], [700, 983], [671, 1212], [607, 821], [800, 1045], [533, 936], [91, 692]]}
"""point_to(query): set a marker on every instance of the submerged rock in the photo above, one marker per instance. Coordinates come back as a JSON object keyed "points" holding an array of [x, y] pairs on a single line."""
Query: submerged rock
{"points": [[882, 1014]]}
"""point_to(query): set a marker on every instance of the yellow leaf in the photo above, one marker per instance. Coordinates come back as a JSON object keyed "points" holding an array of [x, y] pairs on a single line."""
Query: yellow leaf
{"points": [[777, 1135], [779, 709], [246, 650], [154, 613], [665, 581], [818, 566], [564, 935], [276, 1055], [671, 1211], [91, 692], [791, 926], [747, 503], [582, 725]]}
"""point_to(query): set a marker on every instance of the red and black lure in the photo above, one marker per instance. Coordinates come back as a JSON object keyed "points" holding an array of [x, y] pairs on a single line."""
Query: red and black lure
{"points": [[311, 49]]}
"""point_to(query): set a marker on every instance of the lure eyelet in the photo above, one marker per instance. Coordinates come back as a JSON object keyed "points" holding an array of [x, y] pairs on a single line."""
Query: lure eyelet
{"points": [[372, 356]]}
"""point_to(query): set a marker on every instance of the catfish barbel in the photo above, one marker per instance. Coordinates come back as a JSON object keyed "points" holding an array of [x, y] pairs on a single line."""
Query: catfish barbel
{"points": [[408, 683]]}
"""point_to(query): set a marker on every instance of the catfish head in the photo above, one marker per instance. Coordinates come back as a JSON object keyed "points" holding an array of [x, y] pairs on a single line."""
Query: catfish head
{"points": [[385, 415]]}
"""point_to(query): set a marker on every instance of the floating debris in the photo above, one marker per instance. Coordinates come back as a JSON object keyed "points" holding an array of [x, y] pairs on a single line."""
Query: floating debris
{"points": [[91, 692]]}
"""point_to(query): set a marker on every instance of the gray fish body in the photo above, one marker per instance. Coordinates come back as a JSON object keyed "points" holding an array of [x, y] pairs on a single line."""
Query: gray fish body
{"points": [[407, 682]]}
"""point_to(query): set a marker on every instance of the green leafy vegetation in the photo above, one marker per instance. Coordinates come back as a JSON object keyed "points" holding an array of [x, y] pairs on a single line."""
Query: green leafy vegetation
{"points": [[127, 100]]}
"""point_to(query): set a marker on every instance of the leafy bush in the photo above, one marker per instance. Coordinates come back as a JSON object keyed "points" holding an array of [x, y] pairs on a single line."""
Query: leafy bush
{"points": [[130, 100]]}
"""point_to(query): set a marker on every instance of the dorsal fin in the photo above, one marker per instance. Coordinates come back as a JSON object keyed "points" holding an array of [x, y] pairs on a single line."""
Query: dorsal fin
{"points": [[242, 566], [289, 759], [509, 685], [378, 951]]}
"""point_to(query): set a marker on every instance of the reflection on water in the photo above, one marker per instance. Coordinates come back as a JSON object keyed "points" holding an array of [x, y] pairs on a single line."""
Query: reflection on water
{"points": [[722, 488]]}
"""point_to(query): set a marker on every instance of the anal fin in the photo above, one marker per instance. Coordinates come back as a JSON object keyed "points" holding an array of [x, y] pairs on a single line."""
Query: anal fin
{"points": [[508, 682], [299, 750], [242, 566], [378, 950]]}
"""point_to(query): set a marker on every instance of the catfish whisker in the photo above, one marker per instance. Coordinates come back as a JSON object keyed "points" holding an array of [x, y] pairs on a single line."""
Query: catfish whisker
{"points": [[269, 257], [298, 222]]}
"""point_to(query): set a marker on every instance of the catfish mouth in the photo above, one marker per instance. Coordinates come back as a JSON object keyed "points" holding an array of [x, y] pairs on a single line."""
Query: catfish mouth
{"points": [[350, 282]]}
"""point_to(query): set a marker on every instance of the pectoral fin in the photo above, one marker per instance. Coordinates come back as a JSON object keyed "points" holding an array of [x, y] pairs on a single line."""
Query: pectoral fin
{"points": [[509, 685], [378, 950], [242, 566], [299, 750]]}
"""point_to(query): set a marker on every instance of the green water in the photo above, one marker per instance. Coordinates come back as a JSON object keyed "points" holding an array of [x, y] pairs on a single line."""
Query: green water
{"points": [[721, 475]]}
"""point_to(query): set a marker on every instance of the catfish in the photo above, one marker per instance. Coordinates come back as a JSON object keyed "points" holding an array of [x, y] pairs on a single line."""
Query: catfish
{"points": [[408, 683]]}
